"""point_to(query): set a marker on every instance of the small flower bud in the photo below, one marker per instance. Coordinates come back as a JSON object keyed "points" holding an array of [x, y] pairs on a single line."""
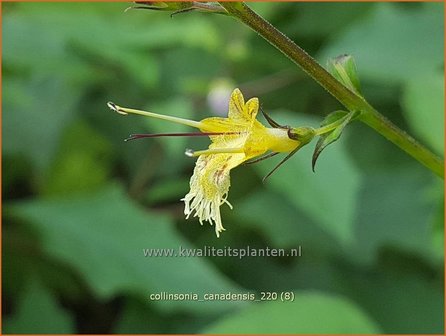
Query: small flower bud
{"points": [[343, 68], [163, 5], [179, 6]]}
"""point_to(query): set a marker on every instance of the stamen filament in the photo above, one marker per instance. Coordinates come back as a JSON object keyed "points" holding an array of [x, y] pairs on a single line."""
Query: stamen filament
{"points": [[192, 153], [192, 134], [125, 111]]}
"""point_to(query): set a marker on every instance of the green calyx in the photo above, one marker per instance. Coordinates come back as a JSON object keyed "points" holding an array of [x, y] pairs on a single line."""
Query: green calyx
{"points": [[302, 134]]}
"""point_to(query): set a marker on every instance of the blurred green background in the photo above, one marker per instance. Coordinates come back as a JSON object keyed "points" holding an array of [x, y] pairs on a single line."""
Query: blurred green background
{"points": [[80, 204]]}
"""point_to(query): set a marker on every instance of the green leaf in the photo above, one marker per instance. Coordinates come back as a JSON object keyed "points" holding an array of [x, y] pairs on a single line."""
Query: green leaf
{"points": [[315, 20], [400, 297], [167, 190], [82, 163], [84, 24], [396, 47], [138, 318], [38, 313], [102, 237], [327, 197], [31, 126], [423, 102], [281, 223], [438, 224], [310, 313], [396, 210], [332, 136]]}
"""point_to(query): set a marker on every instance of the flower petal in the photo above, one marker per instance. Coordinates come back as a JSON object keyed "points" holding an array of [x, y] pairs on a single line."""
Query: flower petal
{"points": [[209, 187], [238, 110]]}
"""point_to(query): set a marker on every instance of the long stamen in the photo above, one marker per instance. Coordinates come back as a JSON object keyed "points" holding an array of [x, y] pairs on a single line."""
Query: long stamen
{"points": [[125, 111], [156, 135], [192, 153]]}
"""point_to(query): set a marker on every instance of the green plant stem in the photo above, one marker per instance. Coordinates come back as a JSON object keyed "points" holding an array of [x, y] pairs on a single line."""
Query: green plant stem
{"points": [[351, 100], [403, 140]]}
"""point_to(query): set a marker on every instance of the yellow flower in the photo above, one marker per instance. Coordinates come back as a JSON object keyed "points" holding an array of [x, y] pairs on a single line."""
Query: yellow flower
{"points": [[235, 139]]}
